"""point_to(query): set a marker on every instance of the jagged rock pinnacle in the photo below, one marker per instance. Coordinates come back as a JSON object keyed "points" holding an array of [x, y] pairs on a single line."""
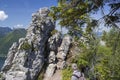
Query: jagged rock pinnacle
{"points": [[26, 58]]}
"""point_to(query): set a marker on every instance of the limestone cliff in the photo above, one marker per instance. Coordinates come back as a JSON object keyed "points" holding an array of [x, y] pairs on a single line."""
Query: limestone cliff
{"points": [[26, 58]]}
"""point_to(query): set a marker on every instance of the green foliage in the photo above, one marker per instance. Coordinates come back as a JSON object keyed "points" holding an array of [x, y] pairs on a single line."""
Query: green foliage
{"points": [[101, 68], [25, 46], [103, 61], [7, 41], [0, 75], [54, 31], [80, 60], [111, 37], [103, 64], [86, 58], [75, 14], [112, 40], [4, 31], [67, 73]]}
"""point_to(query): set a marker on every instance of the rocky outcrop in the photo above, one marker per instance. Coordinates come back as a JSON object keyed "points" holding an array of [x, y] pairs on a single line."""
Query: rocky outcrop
{"points": [[26, 58], [53, 44], [59, 48], [63, 51]]}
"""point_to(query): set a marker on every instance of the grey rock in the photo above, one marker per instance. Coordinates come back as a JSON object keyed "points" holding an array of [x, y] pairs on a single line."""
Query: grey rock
{"points": [[50, 70], [11, 53], [58, 53], [25, 60], [63, 51], [64, 48], [61, 64], [54, 41], [52, 57], [21, 40]]}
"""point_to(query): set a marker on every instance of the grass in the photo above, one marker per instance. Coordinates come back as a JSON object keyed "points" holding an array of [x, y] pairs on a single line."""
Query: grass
{"points": [[67, 73]]}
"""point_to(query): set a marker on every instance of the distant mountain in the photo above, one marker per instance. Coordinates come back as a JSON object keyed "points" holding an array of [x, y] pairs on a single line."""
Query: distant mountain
{"points": [[9, 38], [4, 31]]}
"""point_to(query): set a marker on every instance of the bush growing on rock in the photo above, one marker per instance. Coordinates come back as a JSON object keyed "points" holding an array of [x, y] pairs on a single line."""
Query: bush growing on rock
{"points": [[25, 46], [67, 73], [54, 31]]}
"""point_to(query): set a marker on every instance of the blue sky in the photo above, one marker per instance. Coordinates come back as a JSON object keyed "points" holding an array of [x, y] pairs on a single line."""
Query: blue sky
{"points": [[17, 13]]}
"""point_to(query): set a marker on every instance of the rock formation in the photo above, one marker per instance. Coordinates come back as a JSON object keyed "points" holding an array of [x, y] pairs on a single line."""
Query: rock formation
{"points": [[53, 44], [62, 51], [59, 47], [26, 58]]}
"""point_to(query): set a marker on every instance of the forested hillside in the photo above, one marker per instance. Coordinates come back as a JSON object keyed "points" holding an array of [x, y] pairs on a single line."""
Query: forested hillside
{"points": [[8, 39], [4, 31]]}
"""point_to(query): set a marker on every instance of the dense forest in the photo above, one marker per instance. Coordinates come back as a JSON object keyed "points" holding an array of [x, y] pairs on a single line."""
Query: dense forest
{"points": [[99, 55]]}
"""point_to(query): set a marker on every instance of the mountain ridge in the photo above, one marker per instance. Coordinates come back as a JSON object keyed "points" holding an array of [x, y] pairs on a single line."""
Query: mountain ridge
{"points": [[4, 31], [7, 40]]}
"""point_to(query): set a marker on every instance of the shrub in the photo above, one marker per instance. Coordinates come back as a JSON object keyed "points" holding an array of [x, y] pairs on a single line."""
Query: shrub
{"points": [[26, 46], [1, 78], [67, 73], [54, 31]]}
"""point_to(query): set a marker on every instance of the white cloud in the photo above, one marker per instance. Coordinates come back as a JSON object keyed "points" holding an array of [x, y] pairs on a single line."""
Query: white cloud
{"points": [[19, 26], [3, 16]]}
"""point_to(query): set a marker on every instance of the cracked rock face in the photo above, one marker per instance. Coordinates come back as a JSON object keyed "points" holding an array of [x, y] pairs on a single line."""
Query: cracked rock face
{"points": [[25, 59]]}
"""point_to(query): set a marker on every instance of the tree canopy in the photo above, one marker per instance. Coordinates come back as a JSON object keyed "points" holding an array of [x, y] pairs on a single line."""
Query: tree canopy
{"points": [[74, 14]]}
